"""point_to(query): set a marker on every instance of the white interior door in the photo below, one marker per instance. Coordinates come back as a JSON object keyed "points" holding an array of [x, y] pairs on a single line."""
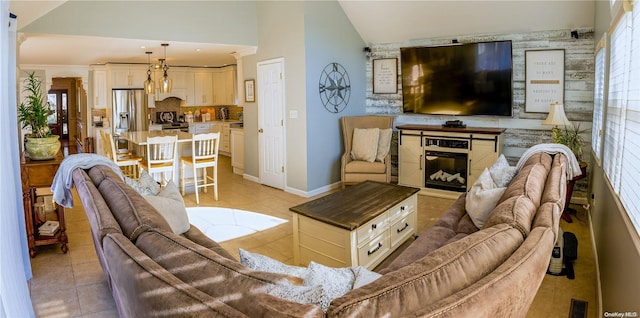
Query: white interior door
{"points": [[271, 122]]}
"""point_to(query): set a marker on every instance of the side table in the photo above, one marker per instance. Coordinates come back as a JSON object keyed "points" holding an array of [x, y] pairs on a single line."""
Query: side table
{"points": [[570, 184], [39, 174]]}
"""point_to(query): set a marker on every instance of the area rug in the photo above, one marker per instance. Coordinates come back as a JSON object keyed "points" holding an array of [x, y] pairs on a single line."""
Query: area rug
{"points": [[222, 224]]}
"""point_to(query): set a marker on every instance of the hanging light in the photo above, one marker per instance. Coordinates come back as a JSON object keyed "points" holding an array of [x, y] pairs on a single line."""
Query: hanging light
{"points": [[149, 84], [165, 84]]}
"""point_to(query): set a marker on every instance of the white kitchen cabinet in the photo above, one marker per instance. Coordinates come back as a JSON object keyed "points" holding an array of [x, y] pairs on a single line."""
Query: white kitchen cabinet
{"points": [[410, 160], [128, 77], [100, 88], [224, 87], [237, 150], [203, 88], [181, 85], [225, 137]]}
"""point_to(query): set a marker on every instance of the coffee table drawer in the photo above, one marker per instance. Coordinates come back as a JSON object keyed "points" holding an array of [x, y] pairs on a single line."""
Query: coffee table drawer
{"points": [[403, 209], [371, 252], [403, 228], [373, 228]]}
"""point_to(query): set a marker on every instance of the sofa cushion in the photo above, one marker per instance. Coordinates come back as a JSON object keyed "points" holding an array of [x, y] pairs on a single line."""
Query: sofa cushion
{"points": [[530, 182], [482, 198], [225, 279], [195, 235], [548, 215], [170, 205], [132, 212], [441, 273], [555, 189], [365, 167], [542, 158], [365, 144], [384, 144], [516, 211]]}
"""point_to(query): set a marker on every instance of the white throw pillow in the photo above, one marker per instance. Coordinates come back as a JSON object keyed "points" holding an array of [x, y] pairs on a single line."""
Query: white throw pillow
{"points": [[170, 204], [145, 185], [482, 198], [384, 143], [266, 264], [335, 282], [364, 145], [298, 294], [501, 172], [363, 276]]}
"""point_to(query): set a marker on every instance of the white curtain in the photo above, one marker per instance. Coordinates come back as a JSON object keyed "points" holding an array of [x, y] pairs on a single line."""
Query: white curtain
{"points": [[15, 268]]}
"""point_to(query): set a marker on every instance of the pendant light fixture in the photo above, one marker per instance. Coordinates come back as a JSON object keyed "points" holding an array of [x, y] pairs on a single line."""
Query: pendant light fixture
{"points": [[149, 84], [165, 84]]}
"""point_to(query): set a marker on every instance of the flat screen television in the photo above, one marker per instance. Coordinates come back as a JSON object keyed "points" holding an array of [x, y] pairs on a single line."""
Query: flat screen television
{"points": [[459, 79]]}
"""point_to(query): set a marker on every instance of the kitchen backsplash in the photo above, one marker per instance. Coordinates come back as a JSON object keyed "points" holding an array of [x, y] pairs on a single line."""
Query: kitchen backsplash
{"points": [[172, 104]]}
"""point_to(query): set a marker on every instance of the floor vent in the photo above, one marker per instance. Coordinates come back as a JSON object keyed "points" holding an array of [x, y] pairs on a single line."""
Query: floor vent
{"points": [[578, 309]]}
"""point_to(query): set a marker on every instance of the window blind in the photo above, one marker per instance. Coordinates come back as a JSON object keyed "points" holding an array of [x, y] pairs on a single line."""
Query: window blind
{"points": [[630, 177], [616, 106], [598, 103]]}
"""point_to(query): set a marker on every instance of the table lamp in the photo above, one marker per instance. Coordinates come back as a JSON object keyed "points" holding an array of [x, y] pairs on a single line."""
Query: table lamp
{"points": [[556, 118]]}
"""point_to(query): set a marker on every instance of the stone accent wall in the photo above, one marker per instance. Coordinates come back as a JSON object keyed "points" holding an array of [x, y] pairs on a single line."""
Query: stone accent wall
{"points": [[524, 129]]}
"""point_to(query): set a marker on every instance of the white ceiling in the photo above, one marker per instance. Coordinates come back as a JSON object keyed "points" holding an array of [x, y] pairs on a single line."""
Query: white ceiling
{"points": [[376, 22]]}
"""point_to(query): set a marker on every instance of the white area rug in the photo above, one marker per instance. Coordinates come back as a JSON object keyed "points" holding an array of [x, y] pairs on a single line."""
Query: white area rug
{"points": [[222, 224]]}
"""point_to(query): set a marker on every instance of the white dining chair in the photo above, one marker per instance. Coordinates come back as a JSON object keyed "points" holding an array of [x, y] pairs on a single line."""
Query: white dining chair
{"points": [[161, 155], [204, 154], [128, 162]]}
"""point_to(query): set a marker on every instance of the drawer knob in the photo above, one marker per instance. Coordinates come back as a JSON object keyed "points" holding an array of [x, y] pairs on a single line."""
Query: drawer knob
{"points": [[374, 226], [375, 249], [406, 225], [402, 208]]}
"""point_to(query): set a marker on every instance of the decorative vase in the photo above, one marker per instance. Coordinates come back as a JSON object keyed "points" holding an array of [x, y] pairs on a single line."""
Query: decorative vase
{"points": [[42, 148]]}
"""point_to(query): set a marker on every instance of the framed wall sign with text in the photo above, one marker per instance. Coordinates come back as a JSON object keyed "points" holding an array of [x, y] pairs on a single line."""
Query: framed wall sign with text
{"points": [[385, 76], [249, 91], [544, 74]]}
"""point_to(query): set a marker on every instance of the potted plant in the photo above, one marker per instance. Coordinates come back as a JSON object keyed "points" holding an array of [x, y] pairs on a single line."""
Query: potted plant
{"points": [[570, 136], [33, 113]]}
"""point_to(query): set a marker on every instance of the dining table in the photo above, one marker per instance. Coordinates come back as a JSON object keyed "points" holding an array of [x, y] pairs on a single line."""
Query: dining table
{"points": [[138, 142]]}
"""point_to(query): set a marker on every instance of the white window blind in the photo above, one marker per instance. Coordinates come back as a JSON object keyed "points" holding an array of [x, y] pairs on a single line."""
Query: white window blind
{"points": [[598, 103], [616, 106], [630, 177]]}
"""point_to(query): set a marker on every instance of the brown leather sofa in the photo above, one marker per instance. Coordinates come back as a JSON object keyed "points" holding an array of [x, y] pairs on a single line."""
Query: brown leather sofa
{"points": [[453, 269]]}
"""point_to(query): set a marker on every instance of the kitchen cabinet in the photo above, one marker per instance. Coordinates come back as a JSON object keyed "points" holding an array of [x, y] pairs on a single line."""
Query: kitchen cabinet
{"points": [[203, 88], [100, 88], [225, 136], [237, 150], [224, 87], [181, 85], [128, 77]]}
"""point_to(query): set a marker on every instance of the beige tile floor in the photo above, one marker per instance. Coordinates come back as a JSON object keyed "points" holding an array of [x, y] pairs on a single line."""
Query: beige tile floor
{"points": [[73, 284]]}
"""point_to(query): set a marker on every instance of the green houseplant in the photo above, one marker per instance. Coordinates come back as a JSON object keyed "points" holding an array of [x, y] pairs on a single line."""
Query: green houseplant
{"points": [[33, 113], [570, 136]]}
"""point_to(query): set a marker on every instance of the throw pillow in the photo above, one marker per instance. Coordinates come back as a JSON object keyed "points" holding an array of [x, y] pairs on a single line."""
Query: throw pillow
{"points": [[384, 143], [145, 185], [501, 172], [170, 204], [298, 294], [266, 264], [364, 145], [335, 282], [363, 276], [482, 198]]}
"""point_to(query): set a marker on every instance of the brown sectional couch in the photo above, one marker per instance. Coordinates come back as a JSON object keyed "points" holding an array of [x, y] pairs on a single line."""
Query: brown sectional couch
{"points": [[453, 269]]}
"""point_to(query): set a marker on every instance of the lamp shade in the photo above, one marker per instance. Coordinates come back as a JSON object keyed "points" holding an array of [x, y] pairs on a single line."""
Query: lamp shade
{"points": [[556, 116]]}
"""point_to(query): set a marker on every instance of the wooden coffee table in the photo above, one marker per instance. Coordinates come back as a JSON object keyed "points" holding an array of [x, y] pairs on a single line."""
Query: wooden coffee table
{"points": [[360, 225]]}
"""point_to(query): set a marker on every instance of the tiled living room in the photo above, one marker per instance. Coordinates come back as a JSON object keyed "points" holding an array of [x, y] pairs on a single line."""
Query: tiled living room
{"points": [[595, 40]]}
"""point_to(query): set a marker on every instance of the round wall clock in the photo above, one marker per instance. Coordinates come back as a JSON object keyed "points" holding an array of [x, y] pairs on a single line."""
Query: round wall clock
{"points": [[334, 87]]}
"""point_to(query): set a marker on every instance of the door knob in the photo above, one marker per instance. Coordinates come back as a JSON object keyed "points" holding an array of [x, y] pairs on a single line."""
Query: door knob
{"points": [[260, 130]]}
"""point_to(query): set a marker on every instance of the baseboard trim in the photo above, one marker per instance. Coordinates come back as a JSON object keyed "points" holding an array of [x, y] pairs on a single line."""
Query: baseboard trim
{"points": [[594, 249], [251, 178], [317, 191]]}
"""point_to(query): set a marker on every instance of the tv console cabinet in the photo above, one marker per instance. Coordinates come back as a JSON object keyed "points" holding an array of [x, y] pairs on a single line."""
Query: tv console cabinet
{"points": [[470, 150]]}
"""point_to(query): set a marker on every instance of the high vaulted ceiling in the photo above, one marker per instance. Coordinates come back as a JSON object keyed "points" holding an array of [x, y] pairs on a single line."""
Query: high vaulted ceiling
{"points": [[376, 21]]}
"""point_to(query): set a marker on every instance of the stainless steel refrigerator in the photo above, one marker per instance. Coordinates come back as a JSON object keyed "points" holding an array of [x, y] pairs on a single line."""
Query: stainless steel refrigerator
{"points": [[129, 112]]}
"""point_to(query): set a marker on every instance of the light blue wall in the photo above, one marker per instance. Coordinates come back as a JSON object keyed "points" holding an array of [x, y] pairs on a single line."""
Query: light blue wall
{"points": [[224, 22], [329, 37]]}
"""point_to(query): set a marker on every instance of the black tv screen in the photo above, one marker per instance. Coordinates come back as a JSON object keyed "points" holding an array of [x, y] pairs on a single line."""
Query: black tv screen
{"points": [[461, 79]]}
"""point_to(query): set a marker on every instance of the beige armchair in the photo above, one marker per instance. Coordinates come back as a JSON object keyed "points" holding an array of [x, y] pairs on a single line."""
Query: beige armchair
{"points": [[354, 171]]}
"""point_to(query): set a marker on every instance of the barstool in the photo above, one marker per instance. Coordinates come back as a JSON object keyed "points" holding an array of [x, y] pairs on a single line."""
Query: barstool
{"points": [[204, 154], [128, 163], [161, 154]]}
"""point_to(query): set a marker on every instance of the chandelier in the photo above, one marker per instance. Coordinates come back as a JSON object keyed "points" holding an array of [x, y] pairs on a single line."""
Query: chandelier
{"points": [[149, 84], [165, 84]]}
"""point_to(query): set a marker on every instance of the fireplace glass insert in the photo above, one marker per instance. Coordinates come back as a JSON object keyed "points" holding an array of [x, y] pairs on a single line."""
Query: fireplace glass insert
{"points": [[446, 170]]}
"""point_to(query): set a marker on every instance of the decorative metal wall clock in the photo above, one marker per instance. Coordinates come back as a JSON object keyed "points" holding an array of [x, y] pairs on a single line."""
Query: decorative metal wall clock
{"points": [[334, 87]]}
